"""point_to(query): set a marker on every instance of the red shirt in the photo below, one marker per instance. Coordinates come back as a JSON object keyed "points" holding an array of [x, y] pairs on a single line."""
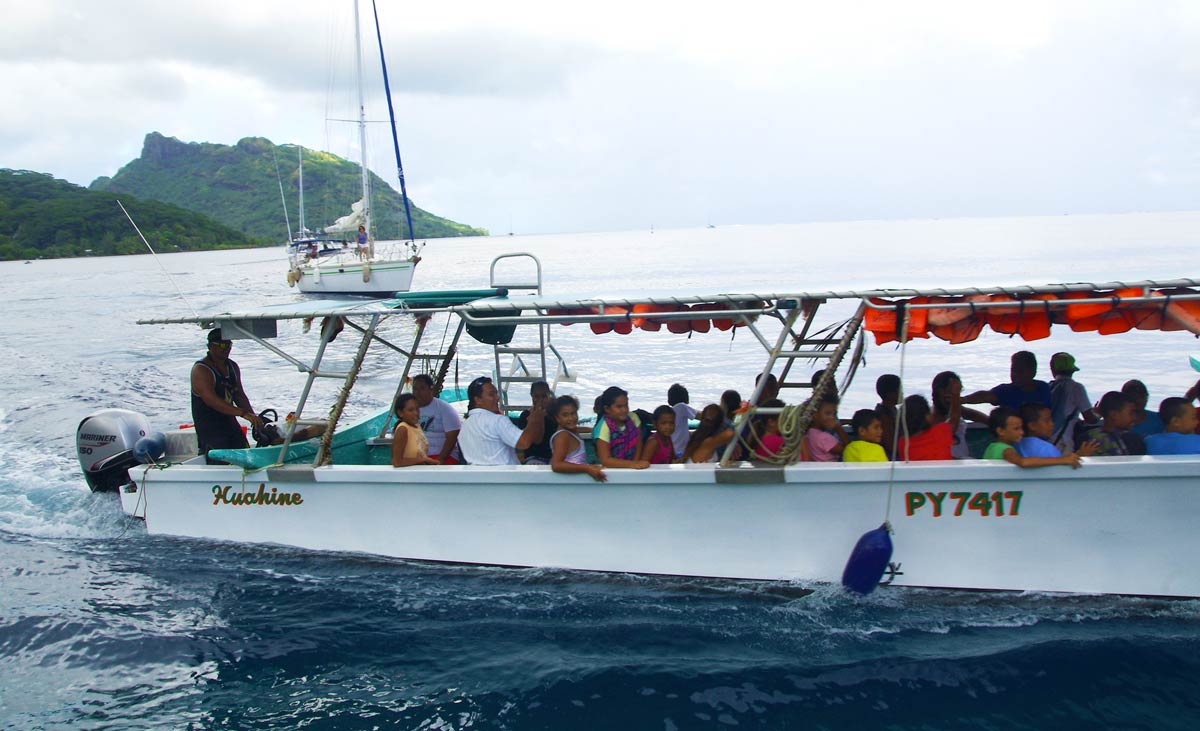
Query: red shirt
{"points": [[933, 443]]}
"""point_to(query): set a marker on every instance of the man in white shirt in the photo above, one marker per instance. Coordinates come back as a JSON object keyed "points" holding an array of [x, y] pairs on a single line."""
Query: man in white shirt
{"points": [[438, 420], [489, 437]]}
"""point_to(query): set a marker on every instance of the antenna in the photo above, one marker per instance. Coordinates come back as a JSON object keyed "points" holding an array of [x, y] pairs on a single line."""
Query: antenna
{"points": [[160, 266]]}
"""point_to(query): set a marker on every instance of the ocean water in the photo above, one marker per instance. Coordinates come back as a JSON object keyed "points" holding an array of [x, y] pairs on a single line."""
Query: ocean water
{"points": [[104, 627]]}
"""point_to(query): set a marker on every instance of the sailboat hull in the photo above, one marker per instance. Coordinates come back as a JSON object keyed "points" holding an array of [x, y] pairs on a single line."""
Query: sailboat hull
{"points": [[382, 279]]}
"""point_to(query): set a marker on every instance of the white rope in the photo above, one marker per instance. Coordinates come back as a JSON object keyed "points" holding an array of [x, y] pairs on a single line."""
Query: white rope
{"points": [[901, 423], [156, 261]]}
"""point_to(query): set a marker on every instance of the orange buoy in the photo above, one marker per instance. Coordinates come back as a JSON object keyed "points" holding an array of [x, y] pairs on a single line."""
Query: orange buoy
{"points": [[885, 323], [1030, 318], [680, 327], [962, 331], [703, 326], [649, 324], [1112, 317], [1186, 313]]}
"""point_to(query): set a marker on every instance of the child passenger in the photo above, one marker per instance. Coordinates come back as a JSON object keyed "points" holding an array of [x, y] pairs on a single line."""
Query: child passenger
{"points": [[677, 397], [867, 428], [711, 434], [660, 449], [825, 438], [538, 453], [1179, 429], [618, 432], [943, 383], [1145, 422], [731, 406], [409, 446], [1038, 422], [567, 453], [770, 441], [1007, 430], [1114, 434], [927, 440], [888, 388]]}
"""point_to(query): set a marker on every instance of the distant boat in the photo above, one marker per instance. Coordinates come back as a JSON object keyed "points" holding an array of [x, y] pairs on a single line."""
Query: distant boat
{"points": [[330, 265]]}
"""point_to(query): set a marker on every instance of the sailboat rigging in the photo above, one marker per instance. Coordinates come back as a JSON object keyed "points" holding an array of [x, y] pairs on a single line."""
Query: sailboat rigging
{"points": [[387, 266]]}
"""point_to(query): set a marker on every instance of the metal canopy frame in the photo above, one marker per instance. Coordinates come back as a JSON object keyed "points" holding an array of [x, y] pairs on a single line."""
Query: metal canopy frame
{"points": [[832, 342]]}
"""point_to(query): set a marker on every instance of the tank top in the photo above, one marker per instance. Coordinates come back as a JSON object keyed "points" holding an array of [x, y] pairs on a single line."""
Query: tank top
{"points": [[665, 452], [215, 430], [416, 445], [577, 455]]}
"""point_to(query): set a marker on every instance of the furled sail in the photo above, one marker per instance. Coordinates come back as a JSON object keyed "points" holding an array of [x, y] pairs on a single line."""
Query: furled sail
{"points": [[351, 221]]}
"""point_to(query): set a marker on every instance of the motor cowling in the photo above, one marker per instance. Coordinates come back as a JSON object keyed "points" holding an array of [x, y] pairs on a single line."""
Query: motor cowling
{"points": [[104, 443]]}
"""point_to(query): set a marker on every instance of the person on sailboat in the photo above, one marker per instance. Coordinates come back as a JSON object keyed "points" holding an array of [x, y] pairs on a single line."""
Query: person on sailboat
{"points": [[218, 398], [361, 249]]}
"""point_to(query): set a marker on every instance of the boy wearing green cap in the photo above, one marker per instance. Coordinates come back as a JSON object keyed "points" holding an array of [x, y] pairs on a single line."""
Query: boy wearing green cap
{"points": [[1068, 401]]}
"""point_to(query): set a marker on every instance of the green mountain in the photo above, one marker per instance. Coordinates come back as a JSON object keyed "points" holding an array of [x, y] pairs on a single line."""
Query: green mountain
{"points": [[239, 186], [42, 216]]}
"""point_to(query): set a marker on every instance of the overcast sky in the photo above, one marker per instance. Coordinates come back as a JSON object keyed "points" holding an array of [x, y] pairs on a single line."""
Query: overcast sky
{"points": [[567, 116]]}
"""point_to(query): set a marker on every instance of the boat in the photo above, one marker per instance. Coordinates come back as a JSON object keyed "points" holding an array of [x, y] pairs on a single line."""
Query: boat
{"points": [[332, 262], [1119, 525]]}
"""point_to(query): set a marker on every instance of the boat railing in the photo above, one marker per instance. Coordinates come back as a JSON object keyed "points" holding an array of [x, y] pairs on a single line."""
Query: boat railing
{"points": [[830, 344], [532, 359]]}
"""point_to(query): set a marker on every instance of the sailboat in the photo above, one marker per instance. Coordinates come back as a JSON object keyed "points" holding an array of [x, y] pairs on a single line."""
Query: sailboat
{"points": [[360, 265]]}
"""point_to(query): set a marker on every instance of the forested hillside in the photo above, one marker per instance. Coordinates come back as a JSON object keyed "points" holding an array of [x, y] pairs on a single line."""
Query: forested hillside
{"points": [[42, 216], [238, 185]]}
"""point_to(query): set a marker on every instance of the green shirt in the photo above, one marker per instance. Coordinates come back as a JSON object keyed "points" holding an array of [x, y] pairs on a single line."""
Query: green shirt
{"points": [[996, 450], [861, 450]]}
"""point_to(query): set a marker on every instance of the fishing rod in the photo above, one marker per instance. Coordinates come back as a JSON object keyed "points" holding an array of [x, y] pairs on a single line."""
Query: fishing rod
{"points": [[160, 265]]}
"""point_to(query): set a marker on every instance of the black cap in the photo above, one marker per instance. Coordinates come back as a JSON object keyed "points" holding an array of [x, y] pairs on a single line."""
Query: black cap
{"points": [[214, 336]]}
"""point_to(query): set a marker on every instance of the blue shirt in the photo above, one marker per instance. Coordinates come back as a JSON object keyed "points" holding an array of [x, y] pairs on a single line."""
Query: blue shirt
{"points": [[1014, 398], [1037, 447], [1170, 442], [1152, 425]]}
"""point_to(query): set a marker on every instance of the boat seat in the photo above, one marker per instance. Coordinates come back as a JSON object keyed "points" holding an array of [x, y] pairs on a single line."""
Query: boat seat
{"points": [[349, 447]]}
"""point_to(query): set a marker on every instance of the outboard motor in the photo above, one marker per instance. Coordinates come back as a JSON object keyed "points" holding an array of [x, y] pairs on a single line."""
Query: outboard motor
{"points": [[105, 442]]}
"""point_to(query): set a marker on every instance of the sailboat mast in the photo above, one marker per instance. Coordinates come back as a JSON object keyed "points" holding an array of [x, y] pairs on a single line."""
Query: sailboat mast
{"points": [[362, 134], [300, 159], [387, 90]]}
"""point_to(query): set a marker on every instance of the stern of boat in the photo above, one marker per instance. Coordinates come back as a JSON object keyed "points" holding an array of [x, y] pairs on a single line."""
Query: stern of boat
{"points": [[133, 501]]}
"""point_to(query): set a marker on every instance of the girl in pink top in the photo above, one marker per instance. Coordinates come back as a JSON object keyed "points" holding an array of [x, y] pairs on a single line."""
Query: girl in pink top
{"points": [[825, 438], [766, 431], [660, 447]]}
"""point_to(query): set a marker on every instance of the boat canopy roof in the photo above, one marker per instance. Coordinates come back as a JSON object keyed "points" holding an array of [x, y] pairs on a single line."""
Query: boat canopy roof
{"points": [[356, 307], [953, 314]]}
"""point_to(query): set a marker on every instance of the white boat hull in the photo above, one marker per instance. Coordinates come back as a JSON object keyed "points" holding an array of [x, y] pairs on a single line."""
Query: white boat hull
{"points": [[1116, 526], [384, 277]]}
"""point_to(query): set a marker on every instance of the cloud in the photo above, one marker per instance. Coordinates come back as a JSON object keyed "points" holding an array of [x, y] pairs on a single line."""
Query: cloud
{"points": [[576, 117]]}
